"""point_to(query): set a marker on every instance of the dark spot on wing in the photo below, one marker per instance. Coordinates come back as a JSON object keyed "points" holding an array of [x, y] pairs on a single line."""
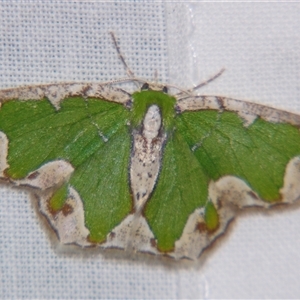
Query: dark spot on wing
{"points": [[153, 243], [220, 102], [33, 175], [201, 227], [85, 90], [145, 86], [112, 235], [252, 195], [67, 209]]}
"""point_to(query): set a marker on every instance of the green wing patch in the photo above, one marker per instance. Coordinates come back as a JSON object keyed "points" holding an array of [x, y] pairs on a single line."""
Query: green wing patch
{"points": [[257, 154], [78, 133]]}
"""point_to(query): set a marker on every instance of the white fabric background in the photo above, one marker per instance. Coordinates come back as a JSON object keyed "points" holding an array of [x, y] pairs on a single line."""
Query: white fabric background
{"points": [[257, 43]]}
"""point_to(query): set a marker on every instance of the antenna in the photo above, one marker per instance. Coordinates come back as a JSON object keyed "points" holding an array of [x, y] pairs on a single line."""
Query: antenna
{"points": [[121, 57], [200, 85]]}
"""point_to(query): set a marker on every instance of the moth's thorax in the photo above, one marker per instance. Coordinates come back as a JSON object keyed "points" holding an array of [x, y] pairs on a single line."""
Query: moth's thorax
{"points": [[146, 157], [157, 102]]}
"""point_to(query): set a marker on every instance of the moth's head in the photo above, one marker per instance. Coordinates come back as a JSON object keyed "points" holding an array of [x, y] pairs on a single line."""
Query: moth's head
{"points": [[154, 87]]}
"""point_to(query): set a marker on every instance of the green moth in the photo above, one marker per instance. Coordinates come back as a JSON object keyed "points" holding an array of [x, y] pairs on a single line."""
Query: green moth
{"points": [[148, 171]]}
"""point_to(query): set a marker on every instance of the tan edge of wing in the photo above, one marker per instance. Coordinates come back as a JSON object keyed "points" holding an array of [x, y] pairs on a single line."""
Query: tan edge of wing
{"points": [[57, 92], [132, 234], [68, 223], [246, 110], [230, 195]]}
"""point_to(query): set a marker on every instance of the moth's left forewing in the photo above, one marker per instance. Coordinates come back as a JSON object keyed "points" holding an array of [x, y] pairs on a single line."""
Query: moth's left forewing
{"points": [[257, 163]]}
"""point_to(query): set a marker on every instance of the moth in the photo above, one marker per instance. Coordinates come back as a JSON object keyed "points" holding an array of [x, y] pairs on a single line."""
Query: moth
{"points": [[152, 171]]}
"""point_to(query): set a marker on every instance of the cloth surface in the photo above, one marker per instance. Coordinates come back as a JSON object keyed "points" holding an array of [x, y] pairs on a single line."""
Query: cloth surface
{"points": [[186, 43]]}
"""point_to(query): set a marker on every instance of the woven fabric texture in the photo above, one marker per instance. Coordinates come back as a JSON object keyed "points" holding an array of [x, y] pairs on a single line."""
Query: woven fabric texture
{"points": [[184, 43]]}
